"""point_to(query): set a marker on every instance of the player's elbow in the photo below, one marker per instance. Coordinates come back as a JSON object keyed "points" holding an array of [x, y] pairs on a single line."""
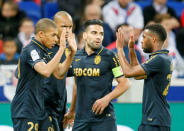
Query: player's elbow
{"points": [[46, 74], [126, 84]]}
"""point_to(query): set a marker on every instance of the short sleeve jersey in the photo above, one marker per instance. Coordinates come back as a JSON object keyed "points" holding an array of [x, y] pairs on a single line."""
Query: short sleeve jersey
{"points": [[55, 91], [155, 107], [28, 101], [94, 74]]}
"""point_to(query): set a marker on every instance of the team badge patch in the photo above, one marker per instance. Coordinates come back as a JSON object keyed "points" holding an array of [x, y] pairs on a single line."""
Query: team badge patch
{"points": [[34, 55], [97, 59]]}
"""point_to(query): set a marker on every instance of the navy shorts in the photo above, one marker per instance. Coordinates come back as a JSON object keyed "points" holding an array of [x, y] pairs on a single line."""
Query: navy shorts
{"points": [[58, 123], [106, 125], [143, 127], [23, 124]]}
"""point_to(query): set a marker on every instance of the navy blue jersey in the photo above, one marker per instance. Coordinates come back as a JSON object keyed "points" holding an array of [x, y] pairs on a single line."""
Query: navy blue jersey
{"points": [[28, 101], [55, 91], [94, 74], [155, 107]]}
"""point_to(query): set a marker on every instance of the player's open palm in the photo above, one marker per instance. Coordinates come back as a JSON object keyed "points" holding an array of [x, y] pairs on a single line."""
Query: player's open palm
{"points": [[100, 105], [72, 42], [131, 42], [120, 39], [63, 39]]}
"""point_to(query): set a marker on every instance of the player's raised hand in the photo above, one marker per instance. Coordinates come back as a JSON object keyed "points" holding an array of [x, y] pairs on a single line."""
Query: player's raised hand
{"points": [[131, 43], [72, 42], [99, 105], [120, 38], [63, 39], [68, 119]]}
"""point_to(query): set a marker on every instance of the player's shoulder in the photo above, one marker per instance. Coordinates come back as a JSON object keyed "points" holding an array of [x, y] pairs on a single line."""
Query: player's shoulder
{"points": [[27, 48], [159, 58], [164, 58], [108, 52], [79, 52], [30, 47]]}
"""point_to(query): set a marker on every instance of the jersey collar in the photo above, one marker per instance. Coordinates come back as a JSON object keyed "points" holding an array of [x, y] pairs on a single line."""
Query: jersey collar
{"points": [[97, 52], [159, 52], [39, 45]]}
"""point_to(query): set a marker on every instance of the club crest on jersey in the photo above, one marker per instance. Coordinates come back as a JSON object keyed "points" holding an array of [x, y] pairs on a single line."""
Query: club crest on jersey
{"points": [[97, 59]]}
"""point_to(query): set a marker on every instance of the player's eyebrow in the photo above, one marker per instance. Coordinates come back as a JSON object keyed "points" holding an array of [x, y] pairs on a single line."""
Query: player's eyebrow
{"points": [[66, 26]]}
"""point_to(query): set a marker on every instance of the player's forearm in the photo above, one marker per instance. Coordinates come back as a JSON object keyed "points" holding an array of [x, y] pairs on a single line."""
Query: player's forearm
{"points": [[126, 67], [133, 57], [74, 96], [47, 69], [140, 77], [121, 88], [63, 67]]}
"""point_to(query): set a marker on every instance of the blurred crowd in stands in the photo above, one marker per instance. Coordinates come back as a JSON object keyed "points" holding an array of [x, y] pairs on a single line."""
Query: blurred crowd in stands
{"points": [[18, 17]]}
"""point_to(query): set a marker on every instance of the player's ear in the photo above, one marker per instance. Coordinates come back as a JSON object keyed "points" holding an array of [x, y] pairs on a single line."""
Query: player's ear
{"points": [[84, 35], [41, 34], [154, 39]]}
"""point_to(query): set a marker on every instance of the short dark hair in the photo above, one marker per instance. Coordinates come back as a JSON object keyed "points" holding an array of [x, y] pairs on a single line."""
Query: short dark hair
{"points": [[44, 24], [157, 29], [92, 22], [120, 25]]}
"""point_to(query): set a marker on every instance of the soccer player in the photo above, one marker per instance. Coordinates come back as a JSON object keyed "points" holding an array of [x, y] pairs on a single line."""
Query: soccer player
{"points": [[156, 71], [27, 108], [94, 68], [54, 89]]}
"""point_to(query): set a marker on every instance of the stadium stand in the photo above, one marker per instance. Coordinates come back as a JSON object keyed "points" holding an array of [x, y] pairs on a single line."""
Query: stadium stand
{"points": [[177, 6], [49, 9], [32, 10]]}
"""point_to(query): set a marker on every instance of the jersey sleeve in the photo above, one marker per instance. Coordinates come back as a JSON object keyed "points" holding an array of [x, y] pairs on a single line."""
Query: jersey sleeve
{"points": [[33, 57], [70, 72], [115, 66], [152, 65]]}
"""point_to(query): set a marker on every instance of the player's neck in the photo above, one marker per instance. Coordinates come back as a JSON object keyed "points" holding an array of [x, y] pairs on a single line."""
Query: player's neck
{"points": [[156, 49], [88, 50], [38, 39]]}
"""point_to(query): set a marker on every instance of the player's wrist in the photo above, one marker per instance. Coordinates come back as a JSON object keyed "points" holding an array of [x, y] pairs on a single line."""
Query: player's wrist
{"points": [[72, 53], [71, 111], [108, 98], [119, 48], [61, 49]]}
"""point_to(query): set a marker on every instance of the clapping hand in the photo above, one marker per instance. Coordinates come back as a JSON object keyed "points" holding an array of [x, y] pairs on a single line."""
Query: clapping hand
{"points": [[120, 39], [131, 43], [72, 42], [63, 39]]}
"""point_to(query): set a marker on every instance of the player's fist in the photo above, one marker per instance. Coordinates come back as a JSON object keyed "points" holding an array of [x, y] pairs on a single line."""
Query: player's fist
{"points": [[68, 119], [100, 105]]}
